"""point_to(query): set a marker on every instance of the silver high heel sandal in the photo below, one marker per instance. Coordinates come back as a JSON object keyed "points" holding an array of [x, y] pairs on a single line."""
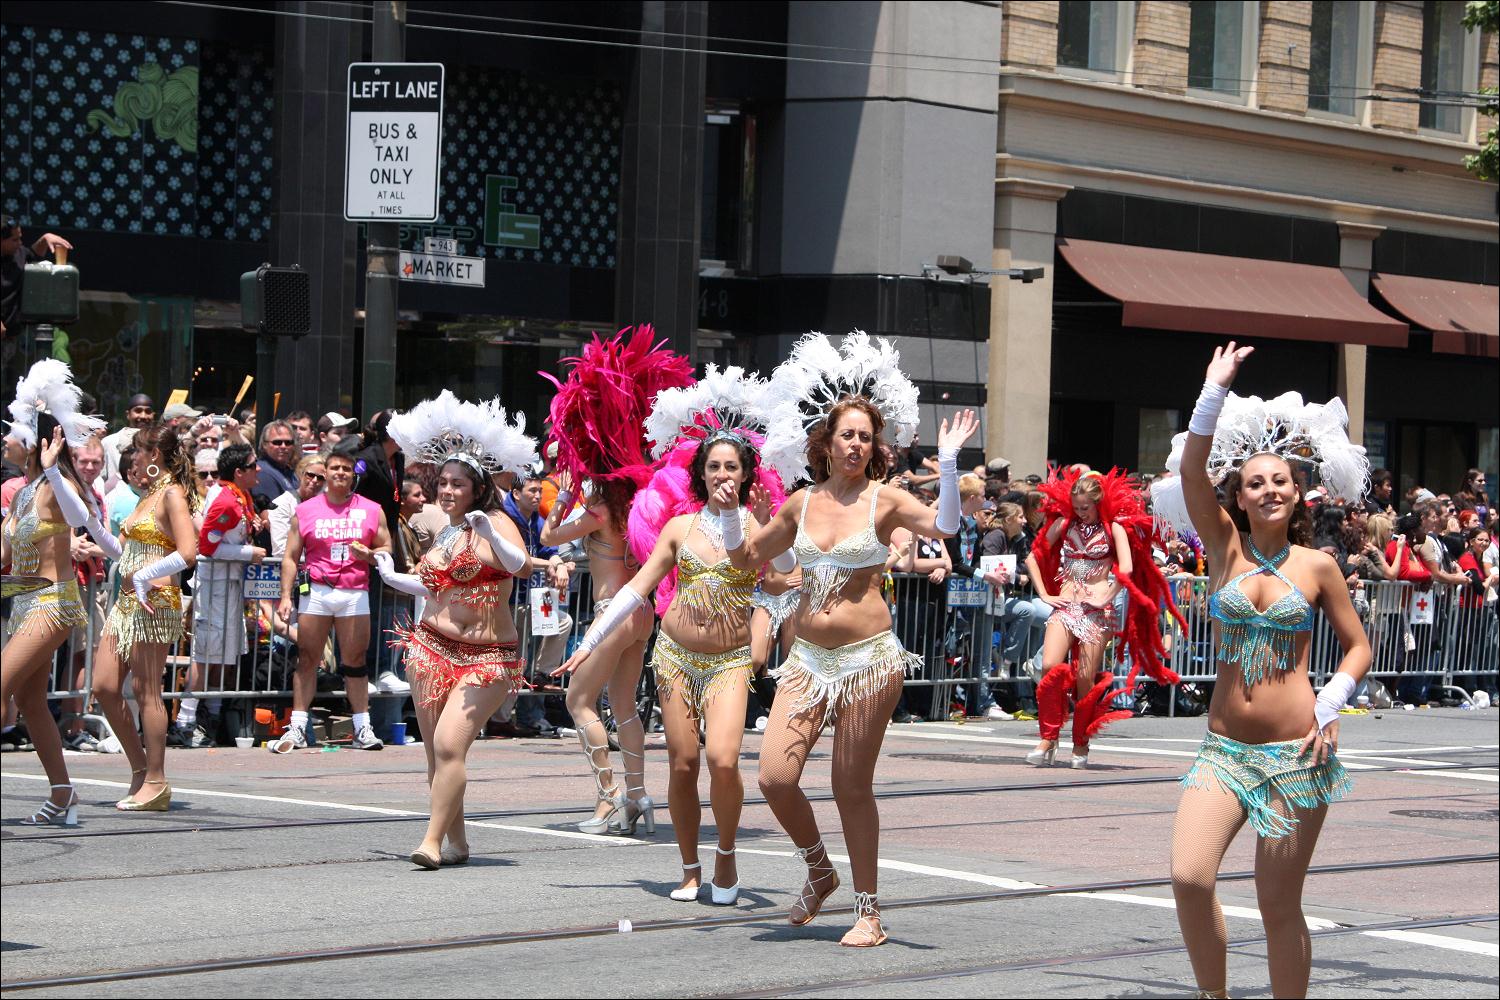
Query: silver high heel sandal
{"points": [[1079, 761], [689, 893], [610, 794], [636, 809], [724, 897], [49, 812], [1042, 758]]}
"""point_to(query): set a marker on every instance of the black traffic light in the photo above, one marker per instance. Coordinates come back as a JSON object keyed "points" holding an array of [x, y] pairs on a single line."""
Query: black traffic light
{"points": [[276, 301]]}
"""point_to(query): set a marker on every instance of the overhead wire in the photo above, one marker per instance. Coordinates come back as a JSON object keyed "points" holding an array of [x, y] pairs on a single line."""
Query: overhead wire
{"points": [[1257, 85]]}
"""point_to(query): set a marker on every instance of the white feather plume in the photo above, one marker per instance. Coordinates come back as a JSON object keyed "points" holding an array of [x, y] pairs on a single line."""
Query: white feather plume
{"points": [[48, 387], [729, 399], [1314, 435], [815, 377], [441, 429]]}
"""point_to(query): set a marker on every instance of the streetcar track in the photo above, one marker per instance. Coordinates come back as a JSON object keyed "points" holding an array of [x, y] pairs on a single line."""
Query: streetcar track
{"points": [[736, 919], [1063, 961], [821, 796]]}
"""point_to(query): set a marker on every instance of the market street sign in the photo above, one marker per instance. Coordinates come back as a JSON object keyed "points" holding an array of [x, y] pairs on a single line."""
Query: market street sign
{"points": [[394, 143], [442, 269]]}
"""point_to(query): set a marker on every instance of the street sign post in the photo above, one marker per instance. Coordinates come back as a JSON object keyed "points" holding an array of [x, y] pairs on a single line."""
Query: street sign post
{"points": [[394, 142]]}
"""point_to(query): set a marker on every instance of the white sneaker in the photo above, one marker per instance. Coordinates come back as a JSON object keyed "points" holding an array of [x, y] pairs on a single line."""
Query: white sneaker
{"points": [[293, 739], [996, 712], [366, 739], [389, 683], [371, 689], [760, 723]]}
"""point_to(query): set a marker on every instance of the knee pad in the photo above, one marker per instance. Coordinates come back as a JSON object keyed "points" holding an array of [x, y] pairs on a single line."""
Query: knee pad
{"points": [[345, 670]]}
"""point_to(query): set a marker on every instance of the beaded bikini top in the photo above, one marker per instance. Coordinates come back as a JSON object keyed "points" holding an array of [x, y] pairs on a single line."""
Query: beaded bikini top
{"points": [[710, 589], [1086, 553], [825, 573], [1257, 640], [29, 531], [475, 583]]}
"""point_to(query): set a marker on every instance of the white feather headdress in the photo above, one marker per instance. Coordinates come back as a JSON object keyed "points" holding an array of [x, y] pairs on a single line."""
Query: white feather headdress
{"points": [[727, 401], [49, 388], [1314, 435], [816, 376], [449, 429]]}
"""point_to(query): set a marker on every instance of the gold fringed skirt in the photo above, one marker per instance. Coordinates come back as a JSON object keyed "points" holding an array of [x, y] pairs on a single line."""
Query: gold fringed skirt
{"points": [[698, 678], [55, 608], [130, 623]]}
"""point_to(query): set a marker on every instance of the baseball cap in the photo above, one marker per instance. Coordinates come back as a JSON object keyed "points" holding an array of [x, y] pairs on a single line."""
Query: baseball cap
{"points": [[1424, 494], [997, 465], [180, 410], [332, 419]]}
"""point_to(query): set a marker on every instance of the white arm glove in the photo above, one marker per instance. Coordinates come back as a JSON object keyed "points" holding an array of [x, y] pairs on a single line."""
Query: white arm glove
{"points": [[1334, 696], [231, 552], [732, 525], [511, 557], [621, 607], [406, 583], [948, 505], [68, 500], [1206, 413], [167, 565]]}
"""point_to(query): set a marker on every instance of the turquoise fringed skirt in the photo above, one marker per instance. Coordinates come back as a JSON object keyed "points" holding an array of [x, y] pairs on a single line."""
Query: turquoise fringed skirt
{"points": [[1258, 773]]}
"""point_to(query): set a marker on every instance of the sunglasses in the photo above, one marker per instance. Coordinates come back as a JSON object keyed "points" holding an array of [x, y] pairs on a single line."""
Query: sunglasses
{"points": [[205, 475], [313, 477], [283, 443]]}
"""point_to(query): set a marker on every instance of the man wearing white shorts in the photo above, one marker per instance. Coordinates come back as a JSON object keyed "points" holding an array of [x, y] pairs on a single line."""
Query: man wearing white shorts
{"points": [[336, 534]]}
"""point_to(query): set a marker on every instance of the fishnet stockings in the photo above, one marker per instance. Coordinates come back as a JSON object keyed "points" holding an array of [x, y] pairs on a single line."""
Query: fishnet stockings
{"points": [[1207, 821]]}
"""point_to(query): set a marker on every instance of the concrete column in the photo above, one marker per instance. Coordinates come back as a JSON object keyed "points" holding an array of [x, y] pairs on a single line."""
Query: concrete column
{"points": [[1020, 375], [1356, 251], [661, 174]]}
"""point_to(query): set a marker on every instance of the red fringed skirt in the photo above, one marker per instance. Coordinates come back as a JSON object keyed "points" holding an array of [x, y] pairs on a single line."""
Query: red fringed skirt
{"points": [[437, 663]]}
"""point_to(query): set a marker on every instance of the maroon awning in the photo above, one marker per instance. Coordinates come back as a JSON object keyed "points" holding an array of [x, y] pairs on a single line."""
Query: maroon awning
{"points": [[1464, 317], [1239, 296]]}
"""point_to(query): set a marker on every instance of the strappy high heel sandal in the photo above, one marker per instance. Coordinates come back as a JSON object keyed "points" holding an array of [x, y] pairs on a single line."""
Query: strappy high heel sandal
{"points": [[49, 813], [812, 897], [721, 896], [635, 809], [687, 894], [160, 802], [610, 793], [861, 935]]}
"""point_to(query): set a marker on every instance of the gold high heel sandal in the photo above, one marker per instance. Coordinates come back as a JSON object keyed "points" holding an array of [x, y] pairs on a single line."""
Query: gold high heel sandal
{"points": [[133, 772], [160, 802]]}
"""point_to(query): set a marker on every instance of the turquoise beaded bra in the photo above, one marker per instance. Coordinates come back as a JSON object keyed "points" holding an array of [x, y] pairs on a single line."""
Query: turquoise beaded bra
{"points": [[1259, 640]]}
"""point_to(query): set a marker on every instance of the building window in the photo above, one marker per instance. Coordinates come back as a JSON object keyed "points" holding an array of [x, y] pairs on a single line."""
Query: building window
{"points": [[1333, 66], [1154, 441], [1443, 42], [1216, 47], [1090, 35], [728, 188]]}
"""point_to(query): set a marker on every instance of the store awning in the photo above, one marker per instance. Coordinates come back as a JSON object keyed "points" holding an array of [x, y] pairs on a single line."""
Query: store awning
{"points": [[1464, 317], [1238, 296]]}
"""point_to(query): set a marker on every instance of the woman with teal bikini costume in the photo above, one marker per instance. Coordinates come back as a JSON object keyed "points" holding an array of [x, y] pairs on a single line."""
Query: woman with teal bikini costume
{"points": [[1270, 753]]}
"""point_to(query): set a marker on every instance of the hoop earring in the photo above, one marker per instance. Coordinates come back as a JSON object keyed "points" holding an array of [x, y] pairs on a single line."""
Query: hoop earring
{"points": [[828, 464], [153, 470]]}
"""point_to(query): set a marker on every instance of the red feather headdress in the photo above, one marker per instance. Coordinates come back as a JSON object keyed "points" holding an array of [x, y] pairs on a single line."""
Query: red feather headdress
{"points": [[599, 413], [1122, 502]]}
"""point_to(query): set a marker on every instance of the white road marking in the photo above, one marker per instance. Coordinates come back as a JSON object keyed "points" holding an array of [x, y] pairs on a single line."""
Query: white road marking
{"points": [[993, 881], [1466, 775]]}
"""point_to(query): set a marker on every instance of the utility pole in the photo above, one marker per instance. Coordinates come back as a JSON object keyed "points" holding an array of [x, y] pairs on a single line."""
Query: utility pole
{"points": [[382, 253]]}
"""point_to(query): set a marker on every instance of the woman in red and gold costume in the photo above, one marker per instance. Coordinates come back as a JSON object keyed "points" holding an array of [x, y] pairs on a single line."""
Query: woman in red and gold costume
{"points": [[1095, 542], [462, 655]]}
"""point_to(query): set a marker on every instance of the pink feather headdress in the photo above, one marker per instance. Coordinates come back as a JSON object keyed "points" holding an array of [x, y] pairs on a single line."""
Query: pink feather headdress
{"points": [[599, 413]]}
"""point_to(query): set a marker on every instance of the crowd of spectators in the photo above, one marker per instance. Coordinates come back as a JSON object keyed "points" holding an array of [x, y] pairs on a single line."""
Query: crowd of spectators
{"points": [[1443, 543]]}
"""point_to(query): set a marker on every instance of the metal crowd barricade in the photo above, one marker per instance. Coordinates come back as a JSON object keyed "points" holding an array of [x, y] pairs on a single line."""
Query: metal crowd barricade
{"points": [[958, 638]]}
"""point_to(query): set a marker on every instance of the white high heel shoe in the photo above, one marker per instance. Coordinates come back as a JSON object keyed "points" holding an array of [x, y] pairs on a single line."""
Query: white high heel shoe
{"points": [[606, 793], [1042, 758], [1079, 762], [723, 897], [49, 813], [688, 893]]}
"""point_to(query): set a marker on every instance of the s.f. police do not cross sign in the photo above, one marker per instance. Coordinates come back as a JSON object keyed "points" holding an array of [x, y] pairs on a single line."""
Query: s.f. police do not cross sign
{"points": [[394, 149]]}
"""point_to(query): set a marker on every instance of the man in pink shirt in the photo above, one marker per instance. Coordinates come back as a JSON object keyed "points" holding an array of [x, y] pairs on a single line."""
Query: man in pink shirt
{"points": [[337, 533]]}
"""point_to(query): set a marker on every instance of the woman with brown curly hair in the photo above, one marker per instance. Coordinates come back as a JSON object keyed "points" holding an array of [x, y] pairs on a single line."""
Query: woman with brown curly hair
{"points": [[829, 407], [160, 541]]}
